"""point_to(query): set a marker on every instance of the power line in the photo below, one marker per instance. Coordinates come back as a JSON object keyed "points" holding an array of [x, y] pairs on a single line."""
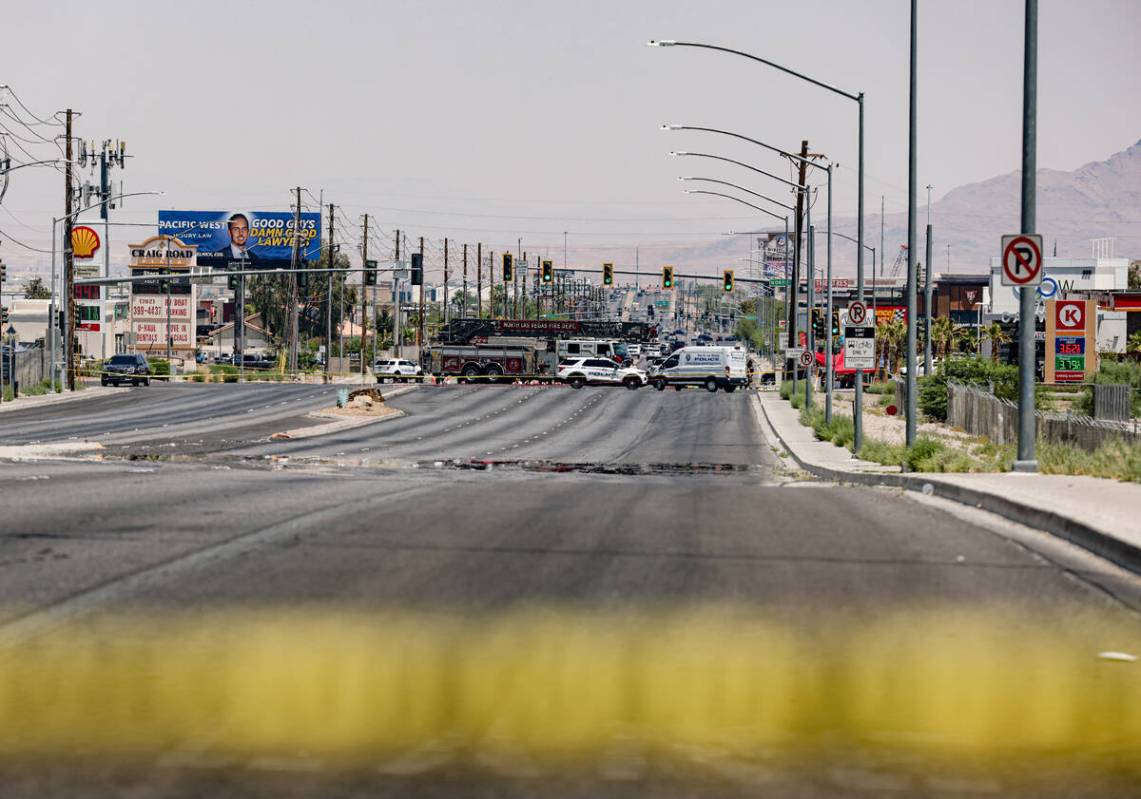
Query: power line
{"points": [[7, 237], [27, 110]]}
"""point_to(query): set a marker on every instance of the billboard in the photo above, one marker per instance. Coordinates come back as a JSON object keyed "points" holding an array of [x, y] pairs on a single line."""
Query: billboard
{"points": [[262, 237], [772, 246]]}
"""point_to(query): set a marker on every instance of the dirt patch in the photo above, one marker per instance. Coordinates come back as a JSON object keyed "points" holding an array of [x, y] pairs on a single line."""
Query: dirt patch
{"points": [[354, 411]]}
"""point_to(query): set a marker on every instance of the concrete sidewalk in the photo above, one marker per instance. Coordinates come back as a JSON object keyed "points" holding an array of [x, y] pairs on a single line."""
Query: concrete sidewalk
{"points": [[1096, 514]]}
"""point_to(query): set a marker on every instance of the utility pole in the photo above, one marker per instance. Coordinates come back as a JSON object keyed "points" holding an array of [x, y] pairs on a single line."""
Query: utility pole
{"points": [[491, 281], [420, 326], [69, 260], [1027, 460], [329, 293], [927, 294], [794, 282], [446, 296], [479, 280], [464, 314], [397, 330], [364, 297], [295, 263]]}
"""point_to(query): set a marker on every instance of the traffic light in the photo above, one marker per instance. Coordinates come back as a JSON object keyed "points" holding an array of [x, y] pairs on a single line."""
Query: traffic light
{"points": [[232, 282], [835, 323], [417, 269], [608, 274], [508, 268], [548, 274], [667, 277], [4, 316], [727, 280], [370, 273], [3, 271], [818, 323]]}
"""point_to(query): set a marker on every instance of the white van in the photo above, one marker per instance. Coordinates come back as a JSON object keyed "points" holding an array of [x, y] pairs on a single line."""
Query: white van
{"points": [[570, 349], [712, 367]]}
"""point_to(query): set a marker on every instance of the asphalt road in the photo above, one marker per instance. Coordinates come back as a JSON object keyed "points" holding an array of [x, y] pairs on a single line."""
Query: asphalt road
{"points": [[602, 498], [219, 412]]}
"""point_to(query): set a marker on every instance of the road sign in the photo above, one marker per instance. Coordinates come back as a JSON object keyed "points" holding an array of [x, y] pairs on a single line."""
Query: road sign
{"points": [[859, 346], [1022, 260], [857, 314], [805, 358], [779, 282]]}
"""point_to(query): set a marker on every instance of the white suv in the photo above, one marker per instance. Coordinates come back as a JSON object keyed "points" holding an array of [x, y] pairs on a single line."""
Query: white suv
{"points": [[600, 371], [398, 370]]}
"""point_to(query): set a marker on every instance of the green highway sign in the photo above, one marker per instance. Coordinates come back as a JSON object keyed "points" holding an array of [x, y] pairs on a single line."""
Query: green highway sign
{"points": [[779, 282]]}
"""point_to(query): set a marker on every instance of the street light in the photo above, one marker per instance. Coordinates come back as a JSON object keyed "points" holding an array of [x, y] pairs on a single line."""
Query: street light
{"points": [[742, 188], [793, 290], [8, 168], [792, 335], [828, 365], [683, 153], [858, 98], [69, 353]]}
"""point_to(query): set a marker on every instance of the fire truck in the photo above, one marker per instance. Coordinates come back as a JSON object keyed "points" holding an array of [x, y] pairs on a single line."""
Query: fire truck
{"points": [[501, 350]]}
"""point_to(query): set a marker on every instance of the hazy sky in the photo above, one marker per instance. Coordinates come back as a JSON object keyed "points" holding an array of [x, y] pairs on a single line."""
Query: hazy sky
{"points": [[489, 121]]}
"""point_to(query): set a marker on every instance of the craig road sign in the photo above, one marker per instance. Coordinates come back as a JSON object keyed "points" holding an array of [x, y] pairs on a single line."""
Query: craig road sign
{"points": [[1022, 259]]}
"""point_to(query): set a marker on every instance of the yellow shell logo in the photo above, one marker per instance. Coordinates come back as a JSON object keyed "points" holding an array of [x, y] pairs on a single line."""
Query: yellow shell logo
{"points": [[84, 241]]}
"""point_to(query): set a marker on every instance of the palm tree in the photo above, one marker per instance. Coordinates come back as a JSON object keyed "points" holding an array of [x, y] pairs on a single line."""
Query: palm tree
{"points": [[997, 337], [1133, 344], [892, 335], [963, 339], [942, 335]]}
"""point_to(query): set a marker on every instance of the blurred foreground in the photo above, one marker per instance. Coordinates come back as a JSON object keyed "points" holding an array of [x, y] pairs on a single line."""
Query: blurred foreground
{"points": [[719, 697]]}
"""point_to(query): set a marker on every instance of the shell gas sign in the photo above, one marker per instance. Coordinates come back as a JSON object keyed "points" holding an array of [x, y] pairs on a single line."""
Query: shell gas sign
{"points": [[85, 241]]}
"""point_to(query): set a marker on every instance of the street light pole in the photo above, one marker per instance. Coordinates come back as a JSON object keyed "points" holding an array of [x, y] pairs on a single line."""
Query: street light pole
{"points": [[1027, 428], [793, 289], [909, 439], [859, 100], [828, 366]]}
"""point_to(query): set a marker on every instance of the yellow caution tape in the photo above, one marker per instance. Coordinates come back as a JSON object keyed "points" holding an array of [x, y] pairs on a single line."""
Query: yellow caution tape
{"points": [[557, 684]]}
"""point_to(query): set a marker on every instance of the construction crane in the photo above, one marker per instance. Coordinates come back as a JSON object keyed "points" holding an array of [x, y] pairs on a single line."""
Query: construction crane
{"points": [[900, 260]]}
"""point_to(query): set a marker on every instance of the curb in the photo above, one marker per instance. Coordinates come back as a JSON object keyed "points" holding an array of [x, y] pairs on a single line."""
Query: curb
{"points": [[1083, 535]]}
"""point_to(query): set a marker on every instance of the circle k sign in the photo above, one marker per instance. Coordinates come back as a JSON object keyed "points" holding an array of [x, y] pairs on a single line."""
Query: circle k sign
{"points": [[1070, 314]]}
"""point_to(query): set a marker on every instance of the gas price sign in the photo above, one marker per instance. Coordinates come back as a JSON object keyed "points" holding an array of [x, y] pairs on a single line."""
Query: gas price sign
{"points": [[1070, 331]]}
